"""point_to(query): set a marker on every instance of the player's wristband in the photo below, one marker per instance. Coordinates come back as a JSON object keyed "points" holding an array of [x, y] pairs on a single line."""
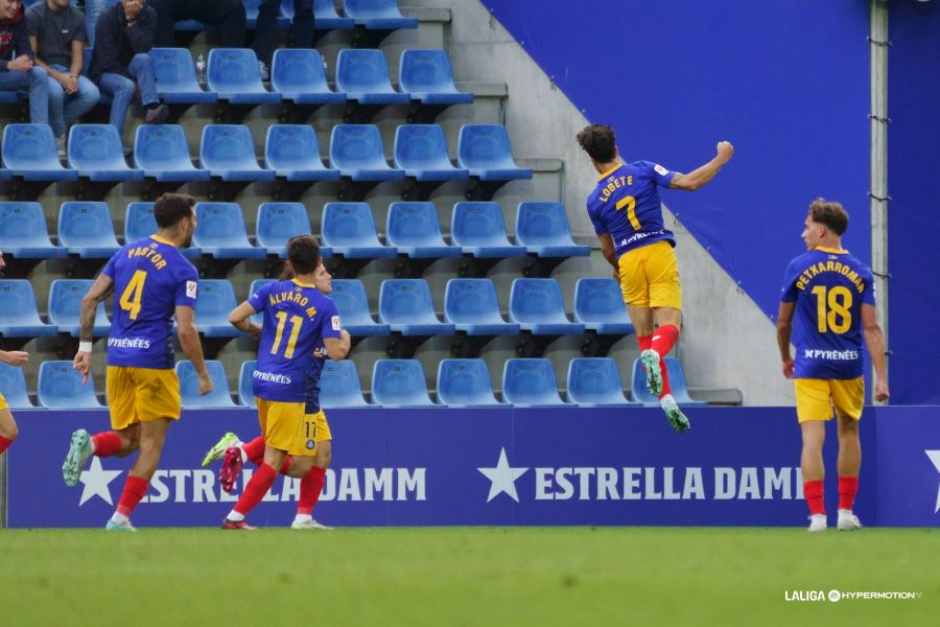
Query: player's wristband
{"points": [[84, 347]]}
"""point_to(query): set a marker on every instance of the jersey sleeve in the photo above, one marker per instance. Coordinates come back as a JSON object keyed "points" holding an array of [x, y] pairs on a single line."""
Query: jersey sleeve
{"points": [[187, 287], [259, 299], [661, 175], [330, 324], [868, 294], [789, 293], [109, 269], [599, 227]]}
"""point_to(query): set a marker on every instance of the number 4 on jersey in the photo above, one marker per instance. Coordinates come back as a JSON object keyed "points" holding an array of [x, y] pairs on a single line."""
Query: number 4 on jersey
{"points": [[133, 294]]}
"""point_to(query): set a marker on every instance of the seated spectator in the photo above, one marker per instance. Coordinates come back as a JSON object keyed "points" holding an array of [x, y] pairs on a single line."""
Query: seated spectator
{"points": [[124, 36], [18, 72], [301, 31], [227, 17], [57, 35]]}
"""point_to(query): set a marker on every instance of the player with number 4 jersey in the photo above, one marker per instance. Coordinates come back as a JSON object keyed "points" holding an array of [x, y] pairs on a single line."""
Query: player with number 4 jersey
{"points": [[152, 283]]}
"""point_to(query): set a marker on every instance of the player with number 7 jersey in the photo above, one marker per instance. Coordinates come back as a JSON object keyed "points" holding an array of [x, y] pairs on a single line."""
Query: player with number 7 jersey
{"points": [[152, 283]]}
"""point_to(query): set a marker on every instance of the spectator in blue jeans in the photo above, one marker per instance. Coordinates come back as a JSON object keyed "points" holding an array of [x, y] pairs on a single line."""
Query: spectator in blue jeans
{"points": [[121, 62], [57, 35], [18, 72]]}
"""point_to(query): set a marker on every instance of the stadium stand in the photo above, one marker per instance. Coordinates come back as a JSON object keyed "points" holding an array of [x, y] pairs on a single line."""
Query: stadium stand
{"points": [[465, 383], [227, 151], [19, 317], [598, 304], [595, 381], [234, 75], [277, 222], [378, 14], [216, 299], [538, 307], [96, 153], [292, 151], [23, 232], [85, 229], [680, 390], [357, 151], [60, 386], [414, 230], [219, 398], [29, 153], [246, 393], [421, 151], [220, 232], [65, 299], [542, 227], [298, 76], [340, 385], [175, 75], [530, 382], [349, 230], [161, 153], [353, 306], [428, 77], [472, 307], [485, 150], [13, 387], [399, 383], [480, 229], [363, 76], [405, 305]]}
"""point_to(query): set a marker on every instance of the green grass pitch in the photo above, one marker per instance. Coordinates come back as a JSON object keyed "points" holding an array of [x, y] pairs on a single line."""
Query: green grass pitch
{"points": [[464, 576]]}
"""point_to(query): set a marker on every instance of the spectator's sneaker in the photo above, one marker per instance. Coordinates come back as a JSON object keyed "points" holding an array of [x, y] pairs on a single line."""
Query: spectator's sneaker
{"points": [[848, 521], [241, 525], [307, 522], [654, 376], [677, 419], [231, 469], [119, 526], [817, 523], [263, 69], [229, 440], [79, 451], [157, 114]]}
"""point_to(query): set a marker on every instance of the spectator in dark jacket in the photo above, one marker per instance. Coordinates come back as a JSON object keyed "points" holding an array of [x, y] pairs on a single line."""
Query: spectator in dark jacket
{"points": [[18, 72], [123, 39], [301, 30], [227, 17]]}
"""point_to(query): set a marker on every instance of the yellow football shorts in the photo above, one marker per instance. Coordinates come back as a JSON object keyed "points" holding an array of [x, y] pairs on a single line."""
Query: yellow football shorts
{"points": [[3, 402], [816, 398], [286, 427], [649, 276], [142, 395]]}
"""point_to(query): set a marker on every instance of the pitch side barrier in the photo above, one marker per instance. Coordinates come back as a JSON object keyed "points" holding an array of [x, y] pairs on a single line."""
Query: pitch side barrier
{"points": [[512, 466]]}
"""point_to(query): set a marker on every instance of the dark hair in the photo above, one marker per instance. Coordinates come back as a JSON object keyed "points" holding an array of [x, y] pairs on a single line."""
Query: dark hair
{"points": [[599, 142], [829, 213], [303, 252], [171, 208]]}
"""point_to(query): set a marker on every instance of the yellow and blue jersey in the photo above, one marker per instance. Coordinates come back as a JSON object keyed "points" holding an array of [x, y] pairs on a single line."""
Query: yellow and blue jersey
{"points": [[297, 318], [626, 205], [151, 278], [829, 287]]}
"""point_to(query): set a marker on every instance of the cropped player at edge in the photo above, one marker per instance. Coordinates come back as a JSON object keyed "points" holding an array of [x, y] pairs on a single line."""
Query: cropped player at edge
{"points": [[298, 320], [627, 215], [8, 429], [833, 297], [152, 282]]}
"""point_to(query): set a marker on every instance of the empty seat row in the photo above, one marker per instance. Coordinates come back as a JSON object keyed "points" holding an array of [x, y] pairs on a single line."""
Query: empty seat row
{"points": [[85, 229], [368, 14], [471, 306], [591, 382]]}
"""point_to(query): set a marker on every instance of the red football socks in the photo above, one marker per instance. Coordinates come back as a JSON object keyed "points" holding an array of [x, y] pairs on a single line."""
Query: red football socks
{"points": [[285, 465], [310, 487], [813, 491], [106, 443], [645, 342], [848, 488], [665, 373], [259, 485], [134, 489], [254, 450], [4, 444], [664, 338]]}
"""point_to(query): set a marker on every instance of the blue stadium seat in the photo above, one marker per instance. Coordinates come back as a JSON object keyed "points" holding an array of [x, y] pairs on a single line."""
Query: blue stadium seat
{"points": [[30, 153], [465, 383], [13, 387], [65, 300], [139, 224], [353, 306], [484, 150], [60, 386], [220, 232], [297, 75], [219, 398], [277, 222], [680, 389], [414, 230], [406, 306], [234, 75], [175, 75], [421, 151], [216, 300], [429, 78], [162, 153], [598, 303], [256, 285], [399, 383], [246, 390], [378, 15], [86, 230], [542, 227], [349, 230], [292, 151], [251, 14], [23, 232], [357, 151], [326, 16], [537, 305], [530, 382], [595, 381], [19, 316], [363, 76], [471, 305], [340, 385], [479, 229], [96, 153], [227, 151]]}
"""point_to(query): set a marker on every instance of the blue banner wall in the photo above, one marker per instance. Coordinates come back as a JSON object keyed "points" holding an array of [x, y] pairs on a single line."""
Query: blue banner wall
{"points": [[914, 211], [787, 81], [738, 466]]}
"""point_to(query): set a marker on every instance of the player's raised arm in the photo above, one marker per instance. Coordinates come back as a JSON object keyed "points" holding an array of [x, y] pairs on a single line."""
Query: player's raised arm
{"points": [[784, 329], [192, 348], [875, 341], [698, 177], [240, 318], [98, 291]]}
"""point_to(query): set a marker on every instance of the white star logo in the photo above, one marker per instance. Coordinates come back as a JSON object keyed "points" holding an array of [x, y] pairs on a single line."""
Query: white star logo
{"points": [[935, 458], [502, 478], [95, 482]]}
